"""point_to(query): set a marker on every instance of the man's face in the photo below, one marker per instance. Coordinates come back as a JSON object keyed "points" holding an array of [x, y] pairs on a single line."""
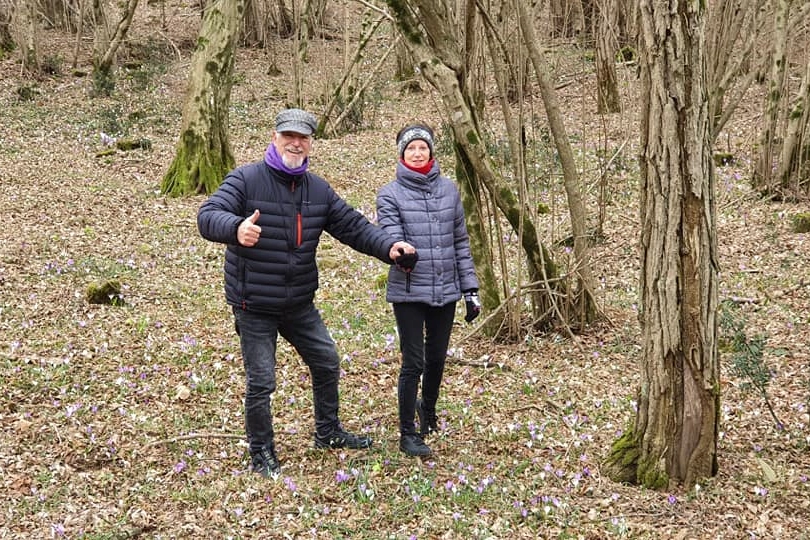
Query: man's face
{"points": [[292, 147]]}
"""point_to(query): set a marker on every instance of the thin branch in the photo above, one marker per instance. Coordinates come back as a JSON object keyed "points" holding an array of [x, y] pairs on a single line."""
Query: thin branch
{"points": [[375, 8]]}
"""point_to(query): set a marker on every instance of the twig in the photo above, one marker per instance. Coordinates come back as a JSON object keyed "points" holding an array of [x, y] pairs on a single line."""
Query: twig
{"points": [[195, 436], [175, 47], [741, 300], [547, 401], [375, 8], [486, 364]]}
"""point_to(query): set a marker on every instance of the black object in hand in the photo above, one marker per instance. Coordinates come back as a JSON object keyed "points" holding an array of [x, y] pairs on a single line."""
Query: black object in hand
{"points": [[407, 261], [473, 305]]}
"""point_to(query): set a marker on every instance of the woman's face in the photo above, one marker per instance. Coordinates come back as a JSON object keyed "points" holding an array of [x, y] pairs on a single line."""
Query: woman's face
{"points": [[416, 154]]}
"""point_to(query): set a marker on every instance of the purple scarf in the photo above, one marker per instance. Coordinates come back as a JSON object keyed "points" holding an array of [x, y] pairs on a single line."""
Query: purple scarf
{"points": [[274, 161]]}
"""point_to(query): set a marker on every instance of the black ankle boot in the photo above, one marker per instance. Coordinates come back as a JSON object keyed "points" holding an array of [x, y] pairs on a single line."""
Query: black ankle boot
{"points": [[413, 445], [427, 420]]}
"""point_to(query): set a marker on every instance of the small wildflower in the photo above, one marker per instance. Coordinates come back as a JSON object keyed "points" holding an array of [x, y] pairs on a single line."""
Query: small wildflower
{"points": [[341, 476]]}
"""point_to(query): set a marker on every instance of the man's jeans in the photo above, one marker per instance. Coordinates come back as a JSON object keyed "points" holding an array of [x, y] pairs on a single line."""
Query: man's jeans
{"points": [[304, 329], [424, 334]]}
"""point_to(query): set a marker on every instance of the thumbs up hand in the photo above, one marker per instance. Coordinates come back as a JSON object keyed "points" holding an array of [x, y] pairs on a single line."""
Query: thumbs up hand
{"points": [[248, 232]]}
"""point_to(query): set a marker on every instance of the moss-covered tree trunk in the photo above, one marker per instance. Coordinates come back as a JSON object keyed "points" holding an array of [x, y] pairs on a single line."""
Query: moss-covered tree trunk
{"points": [[674, 440], [204, 153]]}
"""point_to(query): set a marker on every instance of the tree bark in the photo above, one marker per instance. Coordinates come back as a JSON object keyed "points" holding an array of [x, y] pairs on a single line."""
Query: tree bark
{"points": [[674, 440], [586, 303], [104, 61], [765, 168], [568, 18], [26, 34], [791, 159], [607, 92], [204, 153]]}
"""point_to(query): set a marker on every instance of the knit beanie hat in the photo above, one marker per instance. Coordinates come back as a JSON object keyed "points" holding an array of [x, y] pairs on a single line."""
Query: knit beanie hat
{"points": [[411, 133]]}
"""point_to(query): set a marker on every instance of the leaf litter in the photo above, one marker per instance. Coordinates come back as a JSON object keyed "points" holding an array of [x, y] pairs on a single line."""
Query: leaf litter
{"points": [[127, 421]]}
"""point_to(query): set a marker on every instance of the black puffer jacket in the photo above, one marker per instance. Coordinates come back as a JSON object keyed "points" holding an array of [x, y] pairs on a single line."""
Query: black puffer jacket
{"points": [[280, 271]]}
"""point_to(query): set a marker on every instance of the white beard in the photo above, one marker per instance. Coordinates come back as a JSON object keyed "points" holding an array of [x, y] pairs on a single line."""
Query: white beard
{"points": [[291, 162]]}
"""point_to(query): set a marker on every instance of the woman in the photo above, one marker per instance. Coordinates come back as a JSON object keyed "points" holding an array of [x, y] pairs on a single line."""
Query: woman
{"points": [[423, 208]]}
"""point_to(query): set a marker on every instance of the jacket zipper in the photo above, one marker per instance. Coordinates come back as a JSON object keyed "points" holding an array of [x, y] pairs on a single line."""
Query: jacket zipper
{"points": [[298, 226]]}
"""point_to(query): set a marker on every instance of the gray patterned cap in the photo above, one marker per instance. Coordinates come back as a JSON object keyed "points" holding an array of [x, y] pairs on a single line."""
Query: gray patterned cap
{"points": [[296, 120], [412, 133]]}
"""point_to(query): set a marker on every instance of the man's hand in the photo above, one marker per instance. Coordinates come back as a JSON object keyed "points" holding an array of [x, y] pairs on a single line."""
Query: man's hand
{"points": [[248, 232], [400, 248]]}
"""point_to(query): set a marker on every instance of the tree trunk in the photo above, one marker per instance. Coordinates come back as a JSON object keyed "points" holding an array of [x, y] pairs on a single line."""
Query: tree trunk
{"points": [[792, 160], [427, 27], [256, 23], [26, 34], [204, 152], [568, 18], [301, 43], [586, 303], [674, 440], [339, 94], [765, 168], [284, 20], [734, 29], [6, 42], [607, 92], [104, 60]]}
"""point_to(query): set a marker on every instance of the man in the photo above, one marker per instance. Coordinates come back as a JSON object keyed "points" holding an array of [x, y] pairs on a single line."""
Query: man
{"points": [[271, 214]]}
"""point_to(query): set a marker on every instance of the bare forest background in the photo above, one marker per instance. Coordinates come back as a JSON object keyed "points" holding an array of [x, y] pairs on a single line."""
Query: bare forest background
{"points": [[635, 177]]}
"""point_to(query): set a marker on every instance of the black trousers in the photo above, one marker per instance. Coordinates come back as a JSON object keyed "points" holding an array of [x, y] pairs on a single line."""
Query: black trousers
{"points": [[424, 335], [304, 329]]}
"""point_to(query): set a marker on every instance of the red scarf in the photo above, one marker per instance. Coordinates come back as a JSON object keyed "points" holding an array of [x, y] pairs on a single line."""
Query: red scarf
{"points": [[421, 170]]}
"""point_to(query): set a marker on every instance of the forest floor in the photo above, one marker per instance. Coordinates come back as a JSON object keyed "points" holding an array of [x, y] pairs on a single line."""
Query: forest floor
{"points": [[126, 421]]}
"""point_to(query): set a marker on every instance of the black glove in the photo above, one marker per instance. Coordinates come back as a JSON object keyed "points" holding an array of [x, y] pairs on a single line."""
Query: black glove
{"points": [[473, 305], [407, 261]]}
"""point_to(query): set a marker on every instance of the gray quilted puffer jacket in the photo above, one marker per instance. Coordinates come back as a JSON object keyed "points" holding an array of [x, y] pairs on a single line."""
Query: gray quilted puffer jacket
{"points": [[425, 210]]}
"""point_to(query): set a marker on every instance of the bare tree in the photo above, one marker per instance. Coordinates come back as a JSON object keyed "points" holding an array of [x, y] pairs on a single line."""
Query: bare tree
{"points": [[204, 153], [607, 92], [431, 31], [763, 174], [674, 439], [338, 94], [794, 159], [6, 43], [586, 306], [106, 46], [734, 30], [568, 18], [777, 168], [25, 32]]}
